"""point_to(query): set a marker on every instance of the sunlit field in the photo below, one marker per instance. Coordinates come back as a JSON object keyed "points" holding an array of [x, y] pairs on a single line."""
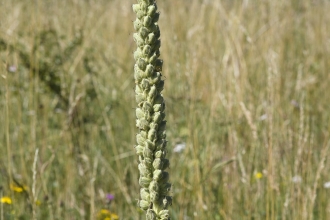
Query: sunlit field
{"points": [[247, 92]]}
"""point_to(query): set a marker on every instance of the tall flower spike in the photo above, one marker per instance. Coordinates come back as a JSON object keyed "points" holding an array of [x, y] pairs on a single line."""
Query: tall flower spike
{"points": [[150, 115]]}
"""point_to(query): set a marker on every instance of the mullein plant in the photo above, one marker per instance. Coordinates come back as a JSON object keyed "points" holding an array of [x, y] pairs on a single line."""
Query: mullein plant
{"points": [[150, 115]]}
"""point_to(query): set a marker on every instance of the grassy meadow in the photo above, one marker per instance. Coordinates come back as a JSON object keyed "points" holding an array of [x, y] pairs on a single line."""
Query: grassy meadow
{"points": [[247, 92]]}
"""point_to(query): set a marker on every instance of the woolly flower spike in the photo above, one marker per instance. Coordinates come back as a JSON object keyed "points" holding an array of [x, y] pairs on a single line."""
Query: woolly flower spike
{"points": [[150, 115]]}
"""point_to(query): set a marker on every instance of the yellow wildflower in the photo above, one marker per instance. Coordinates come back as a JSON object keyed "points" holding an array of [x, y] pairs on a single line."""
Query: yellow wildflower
{"points": [[17, 189], [114, 216], [104, 212], [38, 203], [258, 175], [6, 199]]}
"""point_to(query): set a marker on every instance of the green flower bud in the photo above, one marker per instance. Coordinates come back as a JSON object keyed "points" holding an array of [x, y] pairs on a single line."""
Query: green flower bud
{"points": [[142, 64], [147, 51], [142, 124], [137, 76], [159, 154], [144, 6], [143, 74], [145, 194], [139, 150], [145, 84], [157, 107], [143, 32], [150, 145], [144, 181], [167, 201], [144, 171], [148, 161], [138, 39], [144, 134], [154, 196], [153, 186], [136, 7], [157, 164], [140, 140], [157, 174], [147, 107], [164, 177], [152, 93], [152, 10], [140, 15], [156, 79], [152, 134], [153, 58], [148, 116], [139, 113], [154, 28], [147, 152], [150, 70], [139, 97], [153, 125], [147, 21], [157, 117], [151, 38], [138, 89], [144, 204], [151, 215], [164, 214], [137, 54]]}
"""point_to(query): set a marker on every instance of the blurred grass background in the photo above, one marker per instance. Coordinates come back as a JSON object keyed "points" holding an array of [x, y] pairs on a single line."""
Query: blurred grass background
{"points": [[247, 100]]}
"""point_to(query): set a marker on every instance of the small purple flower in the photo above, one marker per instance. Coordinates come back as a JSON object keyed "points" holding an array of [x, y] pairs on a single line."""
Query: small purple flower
{"points": [[110, 197], [12, 69]]}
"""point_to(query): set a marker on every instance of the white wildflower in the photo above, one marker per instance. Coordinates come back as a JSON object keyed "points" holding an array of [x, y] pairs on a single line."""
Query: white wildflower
{"points": [[179, 147]]}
